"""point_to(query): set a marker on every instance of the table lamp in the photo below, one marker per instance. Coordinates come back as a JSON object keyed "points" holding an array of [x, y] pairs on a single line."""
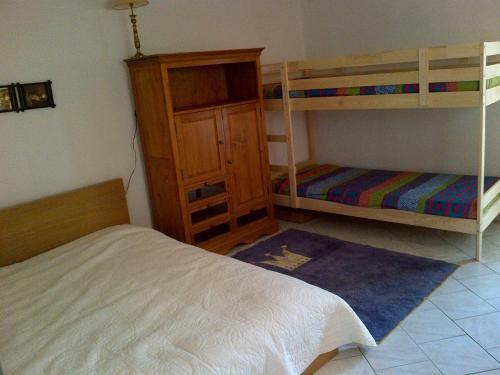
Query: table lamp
{"points": [[131, 4]]}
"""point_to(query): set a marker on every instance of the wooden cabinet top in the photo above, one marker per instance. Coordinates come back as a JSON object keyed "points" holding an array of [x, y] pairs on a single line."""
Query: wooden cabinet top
{"points": [[198, 58]]}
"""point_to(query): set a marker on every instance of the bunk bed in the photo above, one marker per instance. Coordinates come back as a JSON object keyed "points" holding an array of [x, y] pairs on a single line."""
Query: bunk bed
{"points": [[452, 76]]}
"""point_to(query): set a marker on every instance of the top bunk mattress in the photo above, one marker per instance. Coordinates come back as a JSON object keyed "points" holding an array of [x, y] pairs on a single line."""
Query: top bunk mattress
{"points": [[429, 193], [274, 90]]}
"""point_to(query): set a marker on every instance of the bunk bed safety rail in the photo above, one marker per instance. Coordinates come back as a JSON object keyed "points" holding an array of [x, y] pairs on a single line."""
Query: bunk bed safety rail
{"points": [[347, 82]]}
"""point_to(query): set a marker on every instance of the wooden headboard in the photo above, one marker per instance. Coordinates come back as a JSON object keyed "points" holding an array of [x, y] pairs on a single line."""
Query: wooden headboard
{"points": [[32, 228]]}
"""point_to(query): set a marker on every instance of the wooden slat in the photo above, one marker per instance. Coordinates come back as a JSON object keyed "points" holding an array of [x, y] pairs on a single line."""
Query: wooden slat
{"points": [[457, 99], [32, 228], [436, 75], [355, 102], [273, 104], [423, 76], [271, 68], [390, 215], [354, 81], [454, 51], [382, 58], [311, 144], [489, 215], [492, 71], [454, 75], [287, 122], [303, 164], [319, 362], [493, 95], [276, 138], [281, 200], [492, 48], [278, 168], [491, 194]]}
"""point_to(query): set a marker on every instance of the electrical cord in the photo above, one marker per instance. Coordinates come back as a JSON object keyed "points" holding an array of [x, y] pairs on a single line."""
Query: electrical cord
{"points": [[135, 157]]}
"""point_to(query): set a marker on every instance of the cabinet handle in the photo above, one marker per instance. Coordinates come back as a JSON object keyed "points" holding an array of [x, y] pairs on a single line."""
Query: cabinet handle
{"points": [[221, 142], [229, 162]]}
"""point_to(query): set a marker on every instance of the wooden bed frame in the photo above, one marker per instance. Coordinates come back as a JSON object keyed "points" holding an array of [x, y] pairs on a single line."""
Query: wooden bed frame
{"points": [[35, 227], [38, 226], [453, 63]]}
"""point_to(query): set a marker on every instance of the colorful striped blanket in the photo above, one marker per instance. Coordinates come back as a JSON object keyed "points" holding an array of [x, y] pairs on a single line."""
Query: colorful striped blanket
{"points": [[429, 193], [274, 91]]}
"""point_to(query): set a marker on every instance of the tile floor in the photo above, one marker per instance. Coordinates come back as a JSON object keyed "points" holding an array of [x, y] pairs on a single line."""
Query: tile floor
{"points": [[456, 331]]}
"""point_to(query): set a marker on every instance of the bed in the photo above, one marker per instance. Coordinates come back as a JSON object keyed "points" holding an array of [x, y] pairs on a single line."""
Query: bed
{"points": [[427, 193], [121, 298], [451, 76]]}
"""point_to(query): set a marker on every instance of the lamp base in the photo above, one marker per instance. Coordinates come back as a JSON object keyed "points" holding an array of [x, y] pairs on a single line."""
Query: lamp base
{"points": [[138, 55]]}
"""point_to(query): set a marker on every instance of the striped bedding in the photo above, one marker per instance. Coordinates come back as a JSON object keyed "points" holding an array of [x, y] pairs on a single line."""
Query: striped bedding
{"points": [[274, 91], [429, 193]]}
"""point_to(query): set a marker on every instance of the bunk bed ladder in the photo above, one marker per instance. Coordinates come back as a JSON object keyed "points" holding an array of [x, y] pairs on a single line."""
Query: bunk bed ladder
{"points": [[287, 122]]}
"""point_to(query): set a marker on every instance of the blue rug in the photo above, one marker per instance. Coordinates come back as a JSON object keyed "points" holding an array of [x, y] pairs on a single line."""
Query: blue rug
{"points": [[381, 286]]}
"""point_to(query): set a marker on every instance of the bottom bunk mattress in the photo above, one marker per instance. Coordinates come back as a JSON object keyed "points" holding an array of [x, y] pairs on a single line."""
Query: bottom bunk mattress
{"points": [[428, 193]]}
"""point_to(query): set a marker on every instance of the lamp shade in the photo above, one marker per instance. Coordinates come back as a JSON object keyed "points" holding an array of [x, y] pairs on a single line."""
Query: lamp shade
{"points": [[125, 4]]}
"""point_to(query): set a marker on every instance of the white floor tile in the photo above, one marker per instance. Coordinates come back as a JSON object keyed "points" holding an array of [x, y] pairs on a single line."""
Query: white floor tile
{"points": [[348, 366], [471, 270], [347, 352], [416, 236], [449, 286], [421, 368], [492, 372], [495, 266], [459, 356], [495, 352], [426, 305], [461, 305], [491, 251], [397, 349], [486, 287], [429, 325], [484, 329], [444, 252], [495, 302]]}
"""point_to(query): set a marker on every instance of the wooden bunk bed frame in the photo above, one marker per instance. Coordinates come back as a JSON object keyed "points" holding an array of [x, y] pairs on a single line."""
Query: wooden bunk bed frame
{"points": [[466, 62]]}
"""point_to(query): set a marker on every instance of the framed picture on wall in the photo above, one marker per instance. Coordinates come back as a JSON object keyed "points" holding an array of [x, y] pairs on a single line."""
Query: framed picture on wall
{"points": [[36, 95], [8, 102]]}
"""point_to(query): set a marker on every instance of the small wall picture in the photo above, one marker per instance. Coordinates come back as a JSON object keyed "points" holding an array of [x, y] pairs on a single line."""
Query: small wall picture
{"points": [[7, 99], [36, 95]]}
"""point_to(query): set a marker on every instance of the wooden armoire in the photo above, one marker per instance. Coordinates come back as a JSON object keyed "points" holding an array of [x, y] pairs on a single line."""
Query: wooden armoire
{"points": [[200, 117]]}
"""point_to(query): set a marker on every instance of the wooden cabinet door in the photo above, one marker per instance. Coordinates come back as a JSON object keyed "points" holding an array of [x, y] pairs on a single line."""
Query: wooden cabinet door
{"points": [[200, 138], [244, 156]]}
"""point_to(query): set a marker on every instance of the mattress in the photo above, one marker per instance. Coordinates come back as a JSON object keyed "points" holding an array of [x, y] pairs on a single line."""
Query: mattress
{"points": [[429, 193], [274, 91], [130, 300]]}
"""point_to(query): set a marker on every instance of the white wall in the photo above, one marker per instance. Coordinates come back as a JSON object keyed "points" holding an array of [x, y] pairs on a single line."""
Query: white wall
{"points": [[80, 46], [420, 140]]}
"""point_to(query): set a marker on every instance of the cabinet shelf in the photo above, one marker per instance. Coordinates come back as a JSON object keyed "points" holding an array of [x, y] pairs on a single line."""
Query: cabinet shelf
{"points": [[202, 107]]}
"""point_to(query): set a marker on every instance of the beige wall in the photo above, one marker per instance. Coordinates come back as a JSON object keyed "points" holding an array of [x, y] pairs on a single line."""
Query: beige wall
{"points": [[79, 45], [420, 140]]}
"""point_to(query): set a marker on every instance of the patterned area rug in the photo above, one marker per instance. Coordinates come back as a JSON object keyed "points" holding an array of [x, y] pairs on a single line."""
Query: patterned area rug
{"points": [[381, 286]]}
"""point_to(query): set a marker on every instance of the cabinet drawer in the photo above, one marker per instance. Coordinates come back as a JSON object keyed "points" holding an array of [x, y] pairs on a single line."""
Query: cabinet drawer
{"points": [[209, 211], [252, 216], [199, 194], [211, 232]]}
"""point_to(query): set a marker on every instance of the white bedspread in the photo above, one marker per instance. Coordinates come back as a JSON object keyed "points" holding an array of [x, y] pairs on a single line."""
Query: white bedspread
{"points": [[130, 300]]}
